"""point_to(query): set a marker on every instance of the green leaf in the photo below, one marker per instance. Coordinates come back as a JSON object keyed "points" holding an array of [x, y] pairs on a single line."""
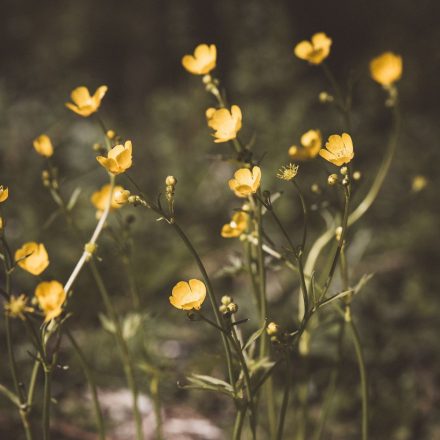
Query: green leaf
{"points": [[339, 295], [254, 337], [73, 199], [107, 323], [209, 383]]}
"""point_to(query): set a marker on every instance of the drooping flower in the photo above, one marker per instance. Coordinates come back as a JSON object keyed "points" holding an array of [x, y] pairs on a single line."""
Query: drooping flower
{"points": [[225, 123], [100, 198], [43, 145], [245, 182], [32, 257], [339, 149], [17, 306], [288, 172], [236, 226], [316, 50], [188, 295], [51, 297], [311, 142], [4, 193], [83, 103], [386, 68], [118, 159], [202, 61]]}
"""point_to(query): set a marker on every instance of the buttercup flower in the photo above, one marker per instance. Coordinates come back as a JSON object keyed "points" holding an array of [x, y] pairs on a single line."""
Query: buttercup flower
{"points": [[311, 142], [51, 297], [118, 159], [203, 60], [32, 257], [339, 149], [188, 295], [236, 226], [314, 51], [386, 68], [245, 182], [17, 306], [4, 193], [99, 198], [84, 104], [225, 123], [43, 145]]}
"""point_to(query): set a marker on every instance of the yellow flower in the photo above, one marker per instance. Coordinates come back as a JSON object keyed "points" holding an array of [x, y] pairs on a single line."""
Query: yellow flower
{"points": [[4, 193], [188, 295], [386, 68], [311, 142], [43, 145], [339, 149], [314, 51], [51, 297], [99, 198], [203, 60], [32, 257], [245, 182], [16, 307], [118, 159], [84, 104], [288, 172], [225, 123], [236, 226]]}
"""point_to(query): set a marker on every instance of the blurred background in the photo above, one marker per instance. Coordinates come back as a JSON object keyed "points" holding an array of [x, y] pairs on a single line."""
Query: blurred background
{"points": [[48, 48]]}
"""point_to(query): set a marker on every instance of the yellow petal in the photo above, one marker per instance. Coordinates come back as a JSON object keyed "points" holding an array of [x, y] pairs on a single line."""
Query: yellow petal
{"points": [[302, 50], [81, 96]]}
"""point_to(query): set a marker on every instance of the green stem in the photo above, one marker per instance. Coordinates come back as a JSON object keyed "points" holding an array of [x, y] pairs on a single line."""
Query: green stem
{"points": [[305, 215], [363, 375], [238, 424], [89, 376], [285, 402], [46, 403], [32, 383], [124, 352]]}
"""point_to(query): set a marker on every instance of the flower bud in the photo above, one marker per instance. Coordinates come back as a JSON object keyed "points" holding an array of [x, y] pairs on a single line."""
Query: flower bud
{"points": [[170, 181], [272, 328], [233, 308], [325, 97], [315, 188], [223, 309], [357, 175], [207, 79], [338, 233], [121, 196], [343, 171], [110, 134], [345, 181], [332, 179], [226, 300]]}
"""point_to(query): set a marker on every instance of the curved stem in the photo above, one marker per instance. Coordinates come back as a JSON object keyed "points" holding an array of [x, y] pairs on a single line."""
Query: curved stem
{"points": [[89, 376]]}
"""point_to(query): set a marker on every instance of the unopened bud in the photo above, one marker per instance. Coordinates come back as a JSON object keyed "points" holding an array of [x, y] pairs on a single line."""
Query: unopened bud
{"points": [[223, 309], [207, 79], [110, 134], [332, 179], [226, 300], [344, 171], [315, 188], [357, 175], [170, 181], [121, 196], [233, 308], [338, 233], [325, 97], [272, 328], [345, 181]]}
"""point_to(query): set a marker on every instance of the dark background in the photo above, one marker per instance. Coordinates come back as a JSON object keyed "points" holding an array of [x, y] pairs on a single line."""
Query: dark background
{"points": [[48, 48]]}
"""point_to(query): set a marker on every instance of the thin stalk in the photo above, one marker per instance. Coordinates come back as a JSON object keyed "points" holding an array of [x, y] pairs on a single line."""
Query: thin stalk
{"points": [[285, 402], [89, 376], [10, 395], [305, 215], [124, 352], [238, 424], [46, 403], [363, 375], [32, 383], [154, 389]]}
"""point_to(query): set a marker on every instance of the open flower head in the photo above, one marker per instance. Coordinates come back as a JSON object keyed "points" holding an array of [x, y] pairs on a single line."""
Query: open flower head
{"points": [[311, 142], [118, 160], [314, 51], [32, 257], [339, 149], [202, 61], [84, 104], [50, 297], [43, 145], [100, 198], [225, 123], [245, 182], [17, 306], [188, 295], [386, 68], [236, 226], [288, 172], [4, 193]]}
